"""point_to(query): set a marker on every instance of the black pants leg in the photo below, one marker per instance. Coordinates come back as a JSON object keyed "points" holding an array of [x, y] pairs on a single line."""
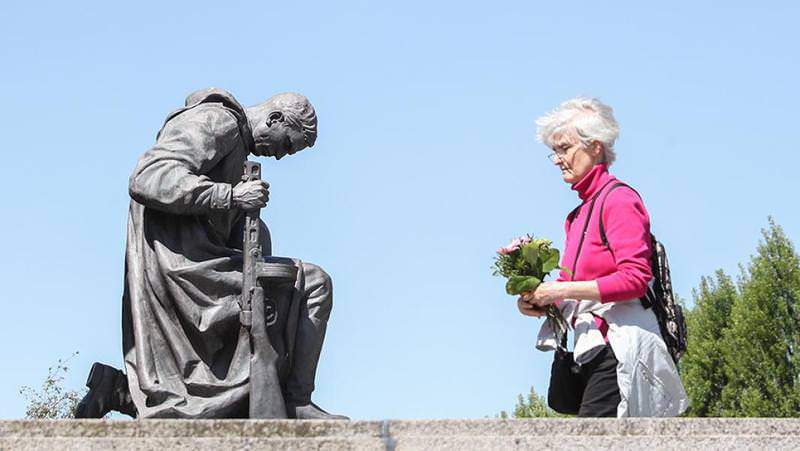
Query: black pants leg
{"points": [[601, 395]]}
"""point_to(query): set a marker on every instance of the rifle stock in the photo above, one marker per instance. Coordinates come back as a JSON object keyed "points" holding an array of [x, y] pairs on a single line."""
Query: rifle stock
{"points": [[266, 398]]}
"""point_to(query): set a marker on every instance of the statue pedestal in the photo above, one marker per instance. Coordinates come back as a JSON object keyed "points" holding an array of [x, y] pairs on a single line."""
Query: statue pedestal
{"points": [[672, 433]]}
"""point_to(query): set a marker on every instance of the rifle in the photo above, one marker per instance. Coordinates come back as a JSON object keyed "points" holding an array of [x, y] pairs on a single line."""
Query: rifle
{"points": [[258, 312]]}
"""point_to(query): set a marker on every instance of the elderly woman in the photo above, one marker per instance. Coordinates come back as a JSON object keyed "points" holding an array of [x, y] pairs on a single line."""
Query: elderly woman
{"points": [[623, 366]]}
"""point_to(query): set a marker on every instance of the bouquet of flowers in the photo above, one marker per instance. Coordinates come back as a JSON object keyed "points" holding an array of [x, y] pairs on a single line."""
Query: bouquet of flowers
{"points": [[525, 262]]}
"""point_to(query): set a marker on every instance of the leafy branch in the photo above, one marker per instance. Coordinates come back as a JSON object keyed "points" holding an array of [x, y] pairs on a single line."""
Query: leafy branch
{"points": [[52, 400]]}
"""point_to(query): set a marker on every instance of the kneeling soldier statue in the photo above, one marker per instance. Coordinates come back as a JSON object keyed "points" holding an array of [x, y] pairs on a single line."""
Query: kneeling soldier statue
{"points": [[213, 325]]}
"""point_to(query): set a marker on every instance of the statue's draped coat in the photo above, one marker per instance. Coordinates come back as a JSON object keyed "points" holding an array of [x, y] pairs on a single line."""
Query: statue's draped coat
{"points": [[185, 353]]}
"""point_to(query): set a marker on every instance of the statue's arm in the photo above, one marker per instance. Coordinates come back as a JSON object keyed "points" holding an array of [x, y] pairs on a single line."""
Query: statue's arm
{"points": [[171, 176]]}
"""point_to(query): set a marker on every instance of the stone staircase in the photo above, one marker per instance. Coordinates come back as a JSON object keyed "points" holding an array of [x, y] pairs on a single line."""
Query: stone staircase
{"points": [[651, 434]]}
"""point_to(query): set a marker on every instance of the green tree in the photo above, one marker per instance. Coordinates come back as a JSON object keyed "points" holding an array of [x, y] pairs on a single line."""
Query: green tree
{"points": [[52, 401], [532, 406], [760, 346], [702, 367]]}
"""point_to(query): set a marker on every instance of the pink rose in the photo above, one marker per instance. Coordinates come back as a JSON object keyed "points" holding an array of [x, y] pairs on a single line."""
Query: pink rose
{"points": [[505, 250], [513, 246]]}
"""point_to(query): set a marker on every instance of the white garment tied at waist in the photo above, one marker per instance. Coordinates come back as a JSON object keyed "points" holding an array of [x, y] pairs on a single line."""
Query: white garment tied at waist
{"points": [[648, 379], [588, 341]]}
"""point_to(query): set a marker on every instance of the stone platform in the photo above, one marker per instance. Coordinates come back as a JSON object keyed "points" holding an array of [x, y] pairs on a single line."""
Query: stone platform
{"points": [[651, 434]]}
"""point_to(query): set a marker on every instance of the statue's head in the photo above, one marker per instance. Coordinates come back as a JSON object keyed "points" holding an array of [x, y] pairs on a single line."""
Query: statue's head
{"points": [[284, 124]]}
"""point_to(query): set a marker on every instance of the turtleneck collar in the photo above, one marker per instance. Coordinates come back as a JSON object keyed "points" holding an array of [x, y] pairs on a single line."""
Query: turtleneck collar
{"points": [[592, 181]]}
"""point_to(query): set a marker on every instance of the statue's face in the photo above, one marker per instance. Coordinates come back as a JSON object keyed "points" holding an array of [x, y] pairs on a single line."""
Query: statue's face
{"points": [[274, 137]]}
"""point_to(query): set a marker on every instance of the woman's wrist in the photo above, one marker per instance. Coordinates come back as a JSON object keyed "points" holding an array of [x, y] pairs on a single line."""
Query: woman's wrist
{"points": [[583, 290], [563, 290]]}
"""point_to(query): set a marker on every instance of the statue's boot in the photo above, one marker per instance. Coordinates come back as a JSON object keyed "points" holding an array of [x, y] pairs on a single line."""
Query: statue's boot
{"points": [[108, 390], [311, 411]]}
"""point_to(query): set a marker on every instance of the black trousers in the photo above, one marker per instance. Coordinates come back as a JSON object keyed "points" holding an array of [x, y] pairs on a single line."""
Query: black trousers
{"points": [[600, 387]]}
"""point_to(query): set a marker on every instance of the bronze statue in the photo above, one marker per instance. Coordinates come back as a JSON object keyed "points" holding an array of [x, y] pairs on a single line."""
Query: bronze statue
{"points": [[189, 346]]}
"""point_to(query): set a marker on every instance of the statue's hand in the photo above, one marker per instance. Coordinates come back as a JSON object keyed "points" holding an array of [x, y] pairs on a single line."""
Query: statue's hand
{"points": [[250, 195]]}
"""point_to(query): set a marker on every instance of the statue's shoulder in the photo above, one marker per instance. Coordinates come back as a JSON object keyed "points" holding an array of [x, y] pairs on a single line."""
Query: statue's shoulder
{"points": [[216, 95], [207, 118], [211, 111]]}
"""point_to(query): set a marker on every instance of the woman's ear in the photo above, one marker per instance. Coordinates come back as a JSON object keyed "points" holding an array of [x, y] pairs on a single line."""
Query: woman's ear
{"points": [[598, 151]]}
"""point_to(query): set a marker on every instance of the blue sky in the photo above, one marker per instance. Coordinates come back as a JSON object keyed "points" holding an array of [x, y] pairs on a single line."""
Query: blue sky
{"points": [[426, 162]]}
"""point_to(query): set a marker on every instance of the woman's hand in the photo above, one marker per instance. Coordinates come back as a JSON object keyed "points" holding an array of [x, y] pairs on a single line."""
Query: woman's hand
{"points": [[545, 294], [529, 309]]}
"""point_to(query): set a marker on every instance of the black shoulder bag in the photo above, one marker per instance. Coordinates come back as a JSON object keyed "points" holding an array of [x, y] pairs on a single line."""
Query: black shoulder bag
{"points": [[565, 393]]}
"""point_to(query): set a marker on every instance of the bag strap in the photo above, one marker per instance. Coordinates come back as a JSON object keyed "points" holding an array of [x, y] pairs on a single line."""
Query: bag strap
{"points": [[603, 204], [580, 244], [586, 227]]}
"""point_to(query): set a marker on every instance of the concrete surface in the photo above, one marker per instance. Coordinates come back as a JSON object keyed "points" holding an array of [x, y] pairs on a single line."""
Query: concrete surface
{"points": [[672, 433]]}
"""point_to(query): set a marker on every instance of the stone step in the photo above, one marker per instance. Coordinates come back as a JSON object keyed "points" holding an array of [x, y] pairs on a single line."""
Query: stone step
{"points": [[489, 434]]}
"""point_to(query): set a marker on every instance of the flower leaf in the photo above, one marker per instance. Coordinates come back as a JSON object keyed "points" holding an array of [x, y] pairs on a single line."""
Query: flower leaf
{"points": [[530, 252], [551, 261], [517, 284]]}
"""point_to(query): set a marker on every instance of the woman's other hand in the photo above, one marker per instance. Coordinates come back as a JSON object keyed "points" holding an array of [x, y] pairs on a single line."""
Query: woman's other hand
{"points": [[545, 294], [529, 309]]}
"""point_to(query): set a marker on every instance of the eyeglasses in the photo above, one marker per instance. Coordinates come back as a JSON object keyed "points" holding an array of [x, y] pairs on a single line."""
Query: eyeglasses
{"points": [[559, 154], [555, 157]]}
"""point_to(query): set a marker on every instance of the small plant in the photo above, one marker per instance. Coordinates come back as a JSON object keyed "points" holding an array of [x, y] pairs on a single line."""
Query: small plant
{"points": [[532, 406], [52, 400]]}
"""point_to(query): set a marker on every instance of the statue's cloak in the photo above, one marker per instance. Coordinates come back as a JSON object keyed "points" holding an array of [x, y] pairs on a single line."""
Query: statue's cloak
{"points": [[185, 353]]}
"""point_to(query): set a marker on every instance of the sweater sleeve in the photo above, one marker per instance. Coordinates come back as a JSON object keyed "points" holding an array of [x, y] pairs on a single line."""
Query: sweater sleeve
{"points": [[627, 227]]}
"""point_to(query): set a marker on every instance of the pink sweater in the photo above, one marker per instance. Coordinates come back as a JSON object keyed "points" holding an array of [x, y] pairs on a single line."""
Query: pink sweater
{"points": [[625, 274]]}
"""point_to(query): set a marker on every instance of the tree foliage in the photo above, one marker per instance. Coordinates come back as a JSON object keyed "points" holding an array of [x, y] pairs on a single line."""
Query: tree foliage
{"points": [[52, 400], [760, 344], [743, 340], [702, 365], [532, 406]]}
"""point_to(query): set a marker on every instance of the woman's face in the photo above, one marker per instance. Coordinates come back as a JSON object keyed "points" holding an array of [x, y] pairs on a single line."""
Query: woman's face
{"points": [[574, 158]]}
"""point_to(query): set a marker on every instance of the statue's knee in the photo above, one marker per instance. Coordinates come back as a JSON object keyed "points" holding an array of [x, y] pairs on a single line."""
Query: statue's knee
{"points": [[316, 276], [318, 284]]}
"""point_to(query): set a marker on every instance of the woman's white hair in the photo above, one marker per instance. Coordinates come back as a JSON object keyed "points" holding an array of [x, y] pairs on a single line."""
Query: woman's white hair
{"points": [[587, 119]]}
